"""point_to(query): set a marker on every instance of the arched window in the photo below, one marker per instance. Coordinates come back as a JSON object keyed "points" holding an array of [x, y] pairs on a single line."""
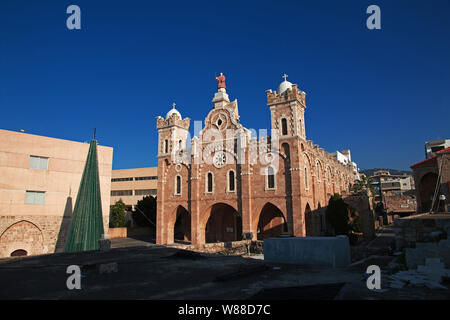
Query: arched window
{"points": [[231, 181], [166, 146], [209, 182], [318, 170], [19, 253], [180, 142], [284, 128], [306, 178], [270, 178], [178, 185]]}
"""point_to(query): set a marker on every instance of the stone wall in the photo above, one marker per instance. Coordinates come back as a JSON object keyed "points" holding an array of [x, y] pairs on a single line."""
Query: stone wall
{"points": [[35, 234], [213, 247], [419, 228], [130, 232], [362, 204], [396, 203]]}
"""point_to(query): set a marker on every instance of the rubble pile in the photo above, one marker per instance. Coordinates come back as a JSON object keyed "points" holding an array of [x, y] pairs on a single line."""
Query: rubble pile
{"points": [[430, 275]]}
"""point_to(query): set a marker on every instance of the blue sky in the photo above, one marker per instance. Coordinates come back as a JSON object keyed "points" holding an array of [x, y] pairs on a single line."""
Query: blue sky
{"points": [[381, 93]]}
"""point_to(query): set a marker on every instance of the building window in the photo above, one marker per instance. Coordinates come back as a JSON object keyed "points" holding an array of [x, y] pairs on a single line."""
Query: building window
{"points": [[270, 178], [178, 185], [35, 197], [121, 193], [146, 178], [166, 146], [209, 182], [121, 179], [231, 181], [40, 163], [145, 192], [318, 170], [306, 178], [180, 144], [284, 129]]}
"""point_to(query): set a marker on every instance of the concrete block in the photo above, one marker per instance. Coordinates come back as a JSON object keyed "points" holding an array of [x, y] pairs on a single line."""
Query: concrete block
{"points": [[105, 244], [433, 262], [330, 251], [401, 222]]}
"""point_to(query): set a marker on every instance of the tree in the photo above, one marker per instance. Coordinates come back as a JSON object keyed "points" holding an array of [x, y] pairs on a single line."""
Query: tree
{"points": [[364, 184], [145, 213], [337, 214], [117, 215]]}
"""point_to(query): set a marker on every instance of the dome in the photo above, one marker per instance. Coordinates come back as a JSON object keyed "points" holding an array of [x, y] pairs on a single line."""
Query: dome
{"points": [[171, 112], [284, 86]]}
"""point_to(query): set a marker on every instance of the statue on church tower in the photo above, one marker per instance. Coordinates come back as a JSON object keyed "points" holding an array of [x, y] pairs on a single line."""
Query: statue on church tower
{"points": [[221, 81]]}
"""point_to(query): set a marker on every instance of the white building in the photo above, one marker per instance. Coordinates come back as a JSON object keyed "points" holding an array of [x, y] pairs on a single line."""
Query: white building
{"points": [[431, 147]]}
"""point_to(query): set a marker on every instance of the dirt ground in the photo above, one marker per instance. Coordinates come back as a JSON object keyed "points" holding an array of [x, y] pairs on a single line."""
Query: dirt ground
{"points": [[147, 271]]}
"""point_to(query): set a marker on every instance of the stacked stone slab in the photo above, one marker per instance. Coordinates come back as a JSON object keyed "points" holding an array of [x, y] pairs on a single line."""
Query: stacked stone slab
{"points": [[419, 228], [426, 250]]}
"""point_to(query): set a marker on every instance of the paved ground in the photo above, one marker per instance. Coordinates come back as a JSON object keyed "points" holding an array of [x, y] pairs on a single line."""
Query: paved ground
{"points": [[147, 271], [141, 241]]}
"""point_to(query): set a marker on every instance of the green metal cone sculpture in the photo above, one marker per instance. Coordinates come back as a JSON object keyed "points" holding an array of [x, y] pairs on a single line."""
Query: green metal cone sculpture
{"points": [[87, 222]]}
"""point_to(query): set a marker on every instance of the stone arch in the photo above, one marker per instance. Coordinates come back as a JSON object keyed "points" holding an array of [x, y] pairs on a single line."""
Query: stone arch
{"points": [[182, 225], [319, 171], [19, 253], [427, 186], [221, 222], [270, 222], [307, 159], [179, 225], [329, 174], [22, 235]]}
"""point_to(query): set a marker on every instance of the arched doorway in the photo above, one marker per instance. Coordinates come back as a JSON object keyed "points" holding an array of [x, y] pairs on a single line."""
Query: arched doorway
{"points": [[426, 190], [19, 253], [22, 235], [224, 224], [182, 227], [271, 222]]}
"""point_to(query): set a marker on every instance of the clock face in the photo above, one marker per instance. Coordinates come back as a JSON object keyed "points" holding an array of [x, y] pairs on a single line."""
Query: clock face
{"points": [[219, 159]]}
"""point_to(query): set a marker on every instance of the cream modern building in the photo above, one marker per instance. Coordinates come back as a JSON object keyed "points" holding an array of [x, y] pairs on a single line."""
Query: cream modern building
{"points": [[39, 180], [131, 185]]}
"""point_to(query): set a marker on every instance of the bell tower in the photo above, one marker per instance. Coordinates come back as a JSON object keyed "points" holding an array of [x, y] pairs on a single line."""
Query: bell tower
{"points": [[173, 132], [287, 110]]}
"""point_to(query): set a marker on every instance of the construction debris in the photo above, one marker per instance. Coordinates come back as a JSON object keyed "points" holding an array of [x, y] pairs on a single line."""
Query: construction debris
{"points": [[430, 275]]}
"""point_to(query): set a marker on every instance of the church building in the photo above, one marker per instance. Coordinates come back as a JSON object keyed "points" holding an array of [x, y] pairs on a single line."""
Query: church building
{"points": [[227, 185]]}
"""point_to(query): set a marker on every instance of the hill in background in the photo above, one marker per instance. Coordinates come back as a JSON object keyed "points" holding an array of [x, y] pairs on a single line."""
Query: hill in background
{"points": [[369, 172]]}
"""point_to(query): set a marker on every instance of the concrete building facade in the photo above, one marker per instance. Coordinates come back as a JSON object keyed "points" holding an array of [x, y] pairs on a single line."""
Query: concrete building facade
{"points": [[431, 147], [131, 185], [230, 185], [39, 181]]}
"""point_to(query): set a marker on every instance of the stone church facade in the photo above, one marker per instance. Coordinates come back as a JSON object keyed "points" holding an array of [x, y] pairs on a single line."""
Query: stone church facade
{"points": [[226, 185]]}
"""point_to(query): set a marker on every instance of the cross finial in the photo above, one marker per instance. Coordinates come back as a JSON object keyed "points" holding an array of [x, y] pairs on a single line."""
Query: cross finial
{"points": [[173, 105], [285, 76]]}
